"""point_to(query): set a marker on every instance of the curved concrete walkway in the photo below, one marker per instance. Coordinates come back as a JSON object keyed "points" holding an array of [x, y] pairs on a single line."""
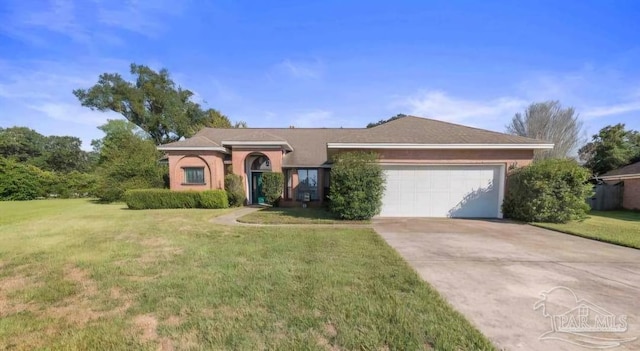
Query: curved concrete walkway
{"points": [[231, 218]]}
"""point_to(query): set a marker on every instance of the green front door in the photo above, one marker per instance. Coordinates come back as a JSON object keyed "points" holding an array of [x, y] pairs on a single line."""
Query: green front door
{"points": [[257, 195]]}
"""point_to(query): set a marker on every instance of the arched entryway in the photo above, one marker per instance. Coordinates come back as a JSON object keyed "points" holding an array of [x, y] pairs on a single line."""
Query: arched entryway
{"points": [[256, 164]]}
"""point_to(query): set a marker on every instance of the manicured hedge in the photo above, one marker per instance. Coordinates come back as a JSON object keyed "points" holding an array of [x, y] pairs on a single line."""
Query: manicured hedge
{"points": [[213, 199], [140, 199]]}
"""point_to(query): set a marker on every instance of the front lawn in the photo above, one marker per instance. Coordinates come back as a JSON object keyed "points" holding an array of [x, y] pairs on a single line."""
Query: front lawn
{"points": [[75, 275], [294, 215], [616, 227]]}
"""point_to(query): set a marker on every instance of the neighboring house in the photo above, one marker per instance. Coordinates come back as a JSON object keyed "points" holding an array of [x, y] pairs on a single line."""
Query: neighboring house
{"points": [[432, 168], [630, 176]]}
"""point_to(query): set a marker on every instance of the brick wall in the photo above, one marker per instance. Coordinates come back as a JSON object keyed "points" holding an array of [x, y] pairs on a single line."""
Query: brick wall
{"points": [[238, 164], [211, 161], [631, 195], [517, 157]]}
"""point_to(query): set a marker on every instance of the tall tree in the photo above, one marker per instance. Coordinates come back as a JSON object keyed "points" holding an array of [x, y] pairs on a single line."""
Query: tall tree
{"points": [[549, 121], [611, 148], [128, 160], [21, 143], [52, 153], [217, 119], [153, 102], [383, 121], [116, 132], [63, 154]]}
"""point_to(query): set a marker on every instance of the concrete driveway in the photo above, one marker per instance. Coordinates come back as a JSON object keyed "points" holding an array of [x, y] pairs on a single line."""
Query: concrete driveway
{"points": [[495, 271]]}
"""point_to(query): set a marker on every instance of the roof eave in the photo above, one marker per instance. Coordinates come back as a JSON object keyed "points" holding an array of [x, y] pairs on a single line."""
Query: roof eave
{"points": [[193, 148], [437, 146], [620, 176], [283, 144]]}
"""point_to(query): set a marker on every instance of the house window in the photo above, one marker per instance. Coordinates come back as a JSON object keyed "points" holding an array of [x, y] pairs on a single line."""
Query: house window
{"points": [[193, 175], [326, 180], [288, 189], [307, 183]]}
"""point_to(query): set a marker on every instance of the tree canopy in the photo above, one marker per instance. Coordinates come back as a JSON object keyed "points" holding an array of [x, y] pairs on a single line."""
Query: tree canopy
{"points": [[549, 121], [152, 102], [51, 153], [383, 121], [21, 143], [128, 160], [613, 147], [217, 120]]}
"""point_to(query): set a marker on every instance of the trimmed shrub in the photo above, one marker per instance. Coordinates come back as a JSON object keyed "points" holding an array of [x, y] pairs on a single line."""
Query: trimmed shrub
{"points": [[357, 185], [213, 199], [139, 199], [551, 190], [109, 189], [272, 187], [235, 190]]}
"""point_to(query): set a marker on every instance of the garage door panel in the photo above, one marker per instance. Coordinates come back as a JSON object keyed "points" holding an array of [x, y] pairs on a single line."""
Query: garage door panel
{"points": [[441, 191]]}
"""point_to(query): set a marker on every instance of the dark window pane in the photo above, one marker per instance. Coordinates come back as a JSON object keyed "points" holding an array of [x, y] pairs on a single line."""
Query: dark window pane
{"points": [[307, 183], [194, 175]]}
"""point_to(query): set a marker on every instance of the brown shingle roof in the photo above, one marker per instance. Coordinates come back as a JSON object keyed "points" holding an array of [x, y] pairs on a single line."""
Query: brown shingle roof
{"points": [[195, 141], [253, 135], [310, 144], [417, 130], [633, 168]]}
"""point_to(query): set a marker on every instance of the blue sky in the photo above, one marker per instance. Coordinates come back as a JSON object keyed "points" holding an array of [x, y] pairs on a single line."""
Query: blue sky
{"points": [[326, 63]]}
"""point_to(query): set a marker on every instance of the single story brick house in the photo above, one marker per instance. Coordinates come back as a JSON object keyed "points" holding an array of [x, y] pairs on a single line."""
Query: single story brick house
{"points": [[432, 168], [630, 176]]}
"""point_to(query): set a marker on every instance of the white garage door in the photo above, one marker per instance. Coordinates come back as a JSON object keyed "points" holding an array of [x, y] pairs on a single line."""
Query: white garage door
{"points": [[442, 191]]}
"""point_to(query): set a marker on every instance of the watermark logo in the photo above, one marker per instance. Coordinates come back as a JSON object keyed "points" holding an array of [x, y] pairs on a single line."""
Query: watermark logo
{"points": [[582, 323]]}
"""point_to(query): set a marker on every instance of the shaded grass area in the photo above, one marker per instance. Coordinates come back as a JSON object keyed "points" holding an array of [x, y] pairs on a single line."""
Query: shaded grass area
{"points": [[615, 227], [294, 215], [77, 275]]}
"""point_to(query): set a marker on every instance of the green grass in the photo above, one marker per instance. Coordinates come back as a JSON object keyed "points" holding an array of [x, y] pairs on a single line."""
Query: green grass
{"points": [[615, 227], [294, 215], [76, 275]]}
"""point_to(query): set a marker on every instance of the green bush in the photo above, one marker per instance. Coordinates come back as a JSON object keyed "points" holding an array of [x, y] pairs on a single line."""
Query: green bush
{"points": [[235, 190], [272, 187], [127, 161], [357, 185], [20, 181], [139, 199], [213, 199], [109, 189], [73, 185], [551, 190]]}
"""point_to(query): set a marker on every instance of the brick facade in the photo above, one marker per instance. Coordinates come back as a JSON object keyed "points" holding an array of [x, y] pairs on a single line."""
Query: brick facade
{"points": [[211, 161], [518, 158], [631, 195]]}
